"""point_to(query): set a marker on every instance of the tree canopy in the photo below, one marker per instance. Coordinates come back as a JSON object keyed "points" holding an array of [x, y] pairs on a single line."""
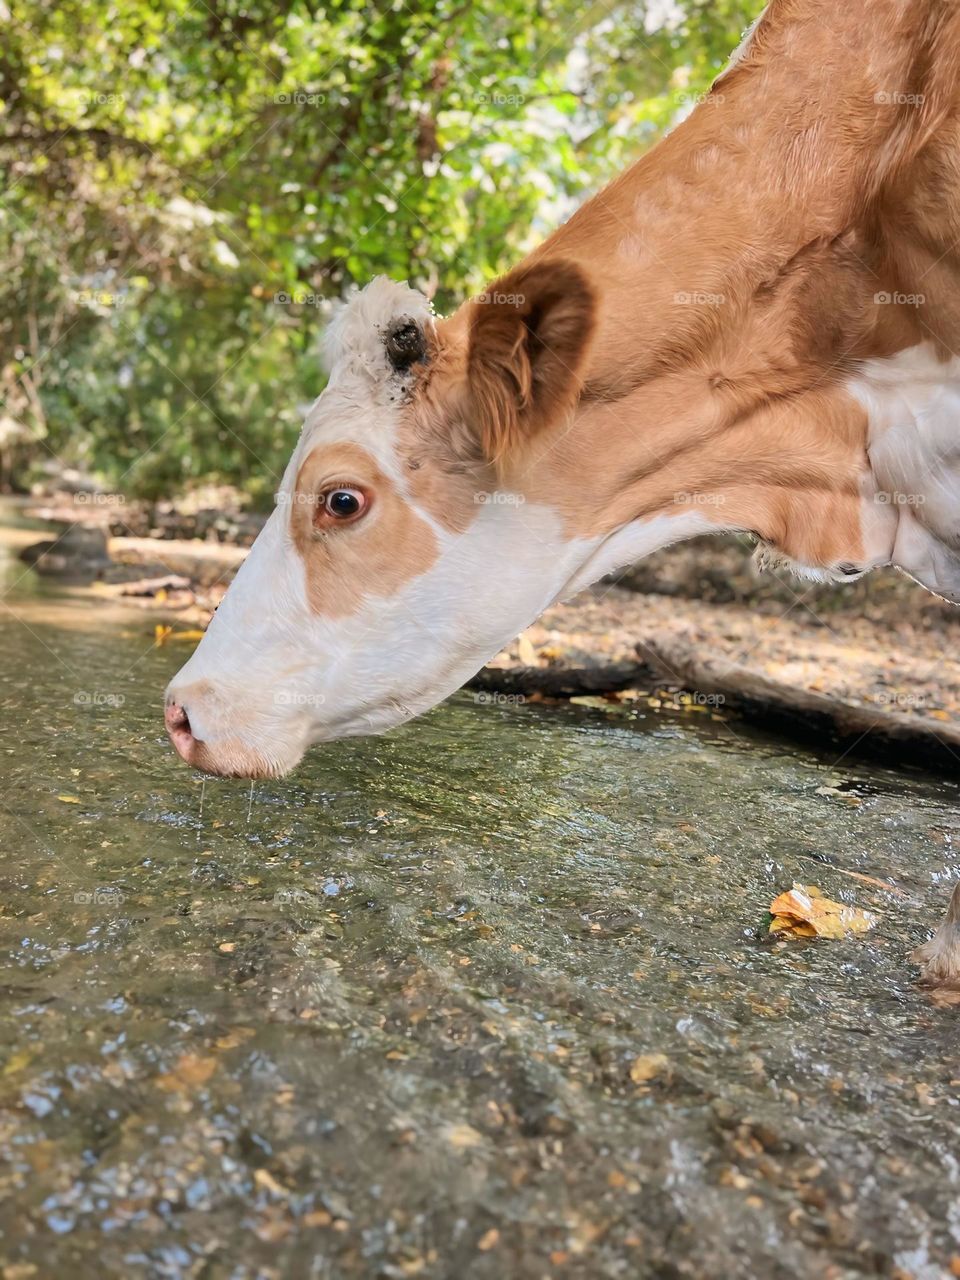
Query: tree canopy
{"points": [[189, 182]]}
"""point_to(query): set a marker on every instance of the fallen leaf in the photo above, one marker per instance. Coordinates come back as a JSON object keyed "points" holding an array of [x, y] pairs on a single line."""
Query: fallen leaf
{"points": [[804, 912], [69, 799], [190, 1072], [463, 1136], [267, 1182], [17, 1062], [317, 1218], [526, 651], [648, 1066], [488, 1240]]}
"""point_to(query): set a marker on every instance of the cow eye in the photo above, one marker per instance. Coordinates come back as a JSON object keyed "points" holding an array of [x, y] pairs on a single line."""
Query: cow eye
{"points": [[344, 503]]}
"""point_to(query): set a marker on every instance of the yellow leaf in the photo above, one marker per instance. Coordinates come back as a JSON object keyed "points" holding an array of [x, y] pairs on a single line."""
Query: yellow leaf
{"points": [[267, 1182], [648, 1066], [528, 654], [17, 1061], [789, 924], [69, 799], [463, 1136], [161, 633], [804, 911], [191, 636]]}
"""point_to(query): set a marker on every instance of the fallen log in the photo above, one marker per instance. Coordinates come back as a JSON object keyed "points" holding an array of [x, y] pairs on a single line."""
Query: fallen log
{"points": [[562, 682], [151, 586], [802, 713]]}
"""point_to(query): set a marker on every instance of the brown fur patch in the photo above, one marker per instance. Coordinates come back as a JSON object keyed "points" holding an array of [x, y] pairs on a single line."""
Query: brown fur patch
{"points": [[737, 274], [373, 556]]}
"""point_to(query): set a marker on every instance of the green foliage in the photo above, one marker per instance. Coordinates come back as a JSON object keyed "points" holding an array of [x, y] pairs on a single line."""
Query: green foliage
{"points": [[175, 169]]}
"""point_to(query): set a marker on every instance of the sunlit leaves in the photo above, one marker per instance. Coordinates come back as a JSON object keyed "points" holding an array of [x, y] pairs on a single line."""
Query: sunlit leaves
{"points": [[316, 145]]}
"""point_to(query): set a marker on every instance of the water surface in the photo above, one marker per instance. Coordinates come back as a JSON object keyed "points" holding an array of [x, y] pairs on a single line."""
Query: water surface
{"points": [[488, 997]]}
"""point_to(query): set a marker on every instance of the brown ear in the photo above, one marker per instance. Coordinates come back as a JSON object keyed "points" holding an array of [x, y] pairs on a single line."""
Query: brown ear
{"points": [[528, 337]]}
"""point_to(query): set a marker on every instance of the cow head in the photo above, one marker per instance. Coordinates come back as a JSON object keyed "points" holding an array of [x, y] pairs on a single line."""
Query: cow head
{"points": [[403, 551]]}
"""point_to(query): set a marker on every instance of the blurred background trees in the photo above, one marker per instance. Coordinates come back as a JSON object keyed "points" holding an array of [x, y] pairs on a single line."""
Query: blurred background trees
{"points": [[188, 183]]}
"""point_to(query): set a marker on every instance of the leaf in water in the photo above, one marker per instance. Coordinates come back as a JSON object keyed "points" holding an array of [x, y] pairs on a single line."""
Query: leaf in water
{"points": [[69, 799], [648, 1066], [804, 912], [463, 1136], [191, 636], [17, 1062], [161, 634], [190, 1072]]}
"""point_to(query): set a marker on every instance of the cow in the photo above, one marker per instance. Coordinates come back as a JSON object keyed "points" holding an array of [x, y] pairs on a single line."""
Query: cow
{"points": [[752, 328]]}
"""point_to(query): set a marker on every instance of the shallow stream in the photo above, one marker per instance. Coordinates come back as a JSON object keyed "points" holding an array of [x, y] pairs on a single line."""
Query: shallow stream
{"points": [[489, 997]]}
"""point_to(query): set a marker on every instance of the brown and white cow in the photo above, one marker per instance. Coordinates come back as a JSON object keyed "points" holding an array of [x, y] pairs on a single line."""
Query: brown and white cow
{"points": [[754, 328]]}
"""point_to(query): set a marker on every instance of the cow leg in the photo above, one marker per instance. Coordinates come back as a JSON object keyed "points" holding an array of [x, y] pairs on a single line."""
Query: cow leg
{"points": [[939, 959]]}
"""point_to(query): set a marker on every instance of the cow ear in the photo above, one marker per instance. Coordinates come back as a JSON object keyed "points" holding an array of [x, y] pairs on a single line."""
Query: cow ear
{"points": [[528, 338]]}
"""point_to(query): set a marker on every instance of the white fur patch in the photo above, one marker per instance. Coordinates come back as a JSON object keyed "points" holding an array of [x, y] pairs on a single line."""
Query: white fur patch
{"points": [[912, 402], [360, 402], [353, 343]]}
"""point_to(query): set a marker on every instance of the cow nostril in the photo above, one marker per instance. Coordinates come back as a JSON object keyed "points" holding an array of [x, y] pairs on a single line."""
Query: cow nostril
{"points": [[176, 718]]}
